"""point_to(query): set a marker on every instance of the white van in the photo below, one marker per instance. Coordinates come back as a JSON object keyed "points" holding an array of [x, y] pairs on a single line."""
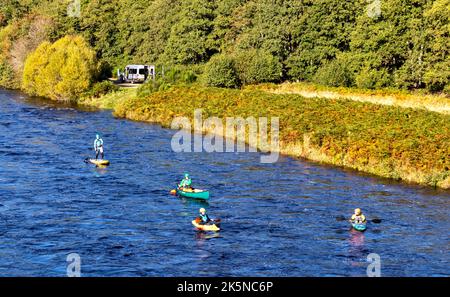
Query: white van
{"points": [[138, 73]]}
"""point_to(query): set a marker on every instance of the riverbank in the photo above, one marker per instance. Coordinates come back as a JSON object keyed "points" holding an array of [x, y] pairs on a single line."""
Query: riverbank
{"points": [[406, 144]]}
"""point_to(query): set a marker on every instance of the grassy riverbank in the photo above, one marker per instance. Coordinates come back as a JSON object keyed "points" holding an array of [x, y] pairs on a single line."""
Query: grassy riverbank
{"points": [[399, 143], [110, 100]]}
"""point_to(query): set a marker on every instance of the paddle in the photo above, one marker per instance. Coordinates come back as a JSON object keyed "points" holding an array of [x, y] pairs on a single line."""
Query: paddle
{"points": [[89, 149], [214, 221], [342, 218]]}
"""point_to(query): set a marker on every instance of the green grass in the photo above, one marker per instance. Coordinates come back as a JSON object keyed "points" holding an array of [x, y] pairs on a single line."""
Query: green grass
{"points": [[110, 100]]}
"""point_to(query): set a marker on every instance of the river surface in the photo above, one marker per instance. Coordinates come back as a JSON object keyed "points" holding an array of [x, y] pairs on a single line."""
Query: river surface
{"points": [[278, 219]]}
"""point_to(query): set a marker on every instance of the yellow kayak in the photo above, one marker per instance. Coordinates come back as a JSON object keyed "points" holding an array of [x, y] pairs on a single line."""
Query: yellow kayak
{"points": [[99, 162], [205, 227]]}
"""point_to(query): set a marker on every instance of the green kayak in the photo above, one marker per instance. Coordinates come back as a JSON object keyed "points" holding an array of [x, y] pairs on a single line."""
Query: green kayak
{"points": [[194, 193]]}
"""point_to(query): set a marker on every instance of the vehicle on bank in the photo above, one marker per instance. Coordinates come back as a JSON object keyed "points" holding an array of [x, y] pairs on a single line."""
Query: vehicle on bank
{"points": [[136, 73]]}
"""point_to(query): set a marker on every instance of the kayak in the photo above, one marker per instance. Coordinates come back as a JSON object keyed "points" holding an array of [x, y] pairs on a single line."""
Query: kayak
{"points": [[194, 193], [359, 227], [212, 227], [98, 162]]}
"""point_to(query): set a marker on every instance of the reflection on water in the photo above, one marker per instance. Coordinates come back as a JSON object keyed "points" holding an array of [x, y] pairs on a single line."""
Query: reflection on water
{"points": [[100, 170], [194, 202], [201, 235], [278, 219], [356, 242]]}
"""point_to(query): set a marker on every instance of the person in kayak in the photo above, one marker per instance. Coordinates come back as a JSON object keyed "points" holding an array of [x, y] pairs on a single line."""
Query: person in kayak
{"points": [[98, 146], [358, 217], [186, 182], [203, 217]]}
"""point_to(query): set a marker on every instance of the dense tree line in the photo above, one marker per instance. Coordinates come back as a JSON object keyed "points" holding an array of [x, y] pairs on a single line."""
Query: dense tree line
{"points": [[362, 43]]}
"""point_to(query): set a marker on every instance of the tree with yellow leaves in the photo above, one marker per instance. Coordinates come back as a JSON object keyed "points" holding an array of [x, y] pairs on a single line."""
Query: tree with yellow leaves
{"points": [[60, 71]]}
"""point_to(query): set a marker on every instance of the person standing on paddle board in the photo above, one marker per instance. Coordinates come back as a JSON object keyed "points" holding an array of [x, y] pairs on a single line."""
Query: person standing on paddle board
{"points": [[98, 146], [186, 182], [358, 217]]}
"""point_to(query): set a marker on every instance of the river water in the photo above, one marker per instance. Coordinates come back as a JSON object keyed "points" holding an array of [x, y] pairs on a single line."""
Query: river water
{"points": [[278, 219]]}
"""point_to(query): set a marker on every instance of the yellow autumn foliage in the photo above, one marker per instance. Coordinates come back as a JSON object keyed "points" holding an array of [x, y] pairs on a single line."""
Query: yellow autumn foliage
{"points": [[60, 71]]}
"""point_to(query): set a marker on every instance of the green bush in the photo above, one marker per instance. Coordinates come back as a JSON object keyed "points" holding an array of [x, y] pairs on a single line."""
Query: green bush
{"points": [[446, 90], [102, 88], [6, 75], [104, 71], [256, 66], [336, 73], [188, 77], [437, 78], [373, 79], [172, 75], [220, 71], [179, 74], [148, 88], [410, 75]]}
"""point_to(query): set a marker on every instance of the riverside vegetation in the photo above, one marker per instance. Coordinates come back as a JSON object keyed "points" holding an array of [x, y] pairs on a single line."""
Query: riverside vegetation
{"points": [[401, 44], [228, 59], [400, 143]]}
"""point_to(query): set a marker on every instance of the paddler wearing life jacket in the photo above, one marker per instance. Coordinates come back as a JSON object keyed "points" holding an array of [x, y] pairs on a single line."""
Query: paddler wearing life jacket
{"points": [[186, 182], [203, 217], [358, 217], [98, 146]]}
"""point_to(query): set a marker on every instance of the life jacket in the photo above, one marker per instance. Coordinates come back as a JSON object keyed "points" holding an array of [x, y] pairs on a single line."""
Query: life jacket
{"points": [[98, 142], [359, 219], [186, 182], [205, 218]]}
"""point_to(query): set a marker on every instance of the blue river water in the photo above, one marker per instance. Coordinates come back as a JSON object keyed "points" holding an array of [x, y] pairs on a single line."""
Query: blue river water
{"points": [[280, 219]]}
